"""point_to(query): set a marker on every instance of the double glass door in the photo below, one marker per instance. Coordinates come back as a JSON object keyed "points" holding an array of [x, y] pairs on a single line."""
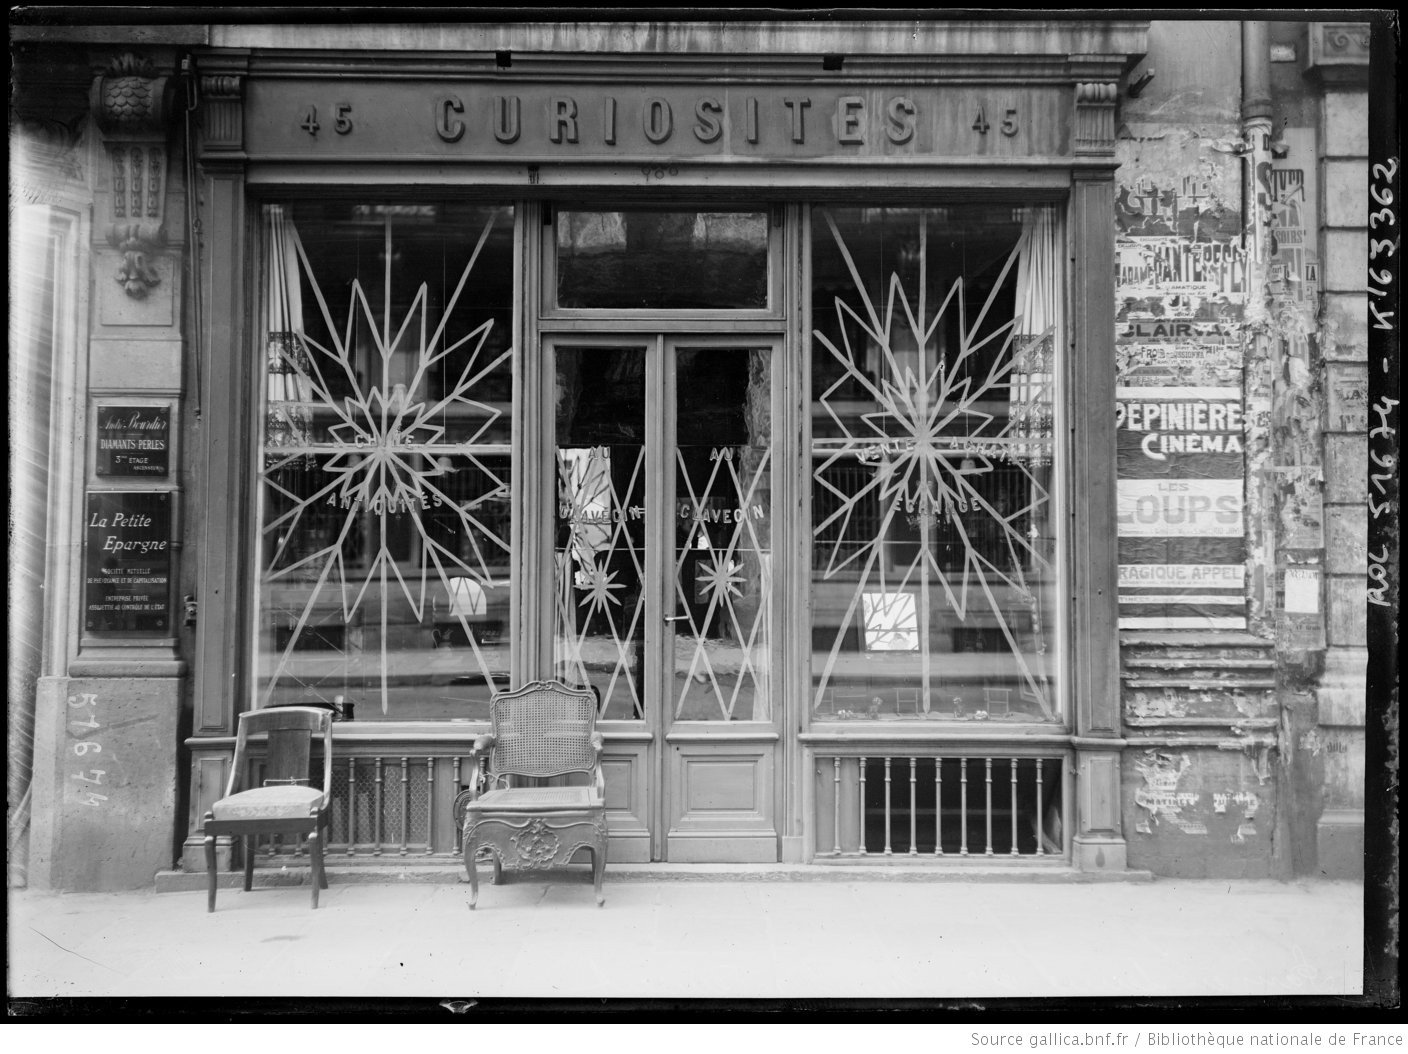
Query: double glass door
{"points": [[663, 584]]}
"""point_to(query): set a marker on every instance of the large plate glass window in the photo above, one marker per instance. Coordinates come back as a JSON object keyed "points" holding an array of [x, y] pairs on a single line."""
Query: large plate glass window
{"points": [[934, 456], [385, 467]]}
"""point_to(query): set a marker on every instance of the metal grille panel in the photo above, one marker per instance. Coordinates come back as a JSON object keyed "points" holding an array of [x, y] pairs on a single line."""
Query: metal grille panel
{"points": [[980, 805]]}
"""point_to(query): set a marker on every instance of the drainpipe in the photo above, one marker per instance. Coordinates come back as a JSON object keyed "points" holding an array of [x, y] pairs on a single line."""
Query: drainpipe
{"points": [[1256, 72], [1256, 134], [1259, 372], [1263, 373], [1261, 484], [1291, 471]]}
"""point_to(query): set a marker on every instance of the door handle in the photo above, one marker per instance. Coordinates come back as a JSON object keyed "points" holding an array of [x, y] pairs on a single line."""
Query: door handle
{"points": [[676, 618]]}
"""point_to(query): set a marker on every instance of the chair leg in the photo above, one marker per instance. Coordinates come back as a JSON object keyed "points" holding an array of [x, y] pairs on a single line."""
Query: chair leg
{"points": [[247, 843], [323, 871], [498, 870], [472, 869], [315, 850], [210, 872], [598, 871]]}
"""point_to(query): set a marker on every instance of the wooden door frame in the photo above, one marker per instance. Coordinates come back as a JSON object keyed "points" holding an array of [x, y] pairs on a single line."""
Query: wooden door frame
{"points": [[641, 748], [697, 736]]}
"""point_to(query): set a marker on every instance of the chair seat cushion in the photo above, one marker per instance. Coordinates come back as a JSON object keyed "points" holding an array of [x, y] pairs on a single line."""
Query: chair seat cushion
{"points": [[268, 803], [536, 799]]}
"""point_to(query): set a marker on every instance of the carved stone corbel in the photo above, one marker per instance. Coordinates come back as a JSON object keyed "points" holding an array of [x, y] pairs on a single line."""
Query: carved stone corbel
{"points": [[221, 106], [1338, 54], [1095, 118], [130, 104]]}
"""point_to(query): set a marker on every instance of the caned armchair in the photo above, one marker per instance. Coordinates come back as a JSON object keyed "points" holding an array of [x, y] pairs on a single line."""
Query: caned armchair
{"points": [[544, 731]]}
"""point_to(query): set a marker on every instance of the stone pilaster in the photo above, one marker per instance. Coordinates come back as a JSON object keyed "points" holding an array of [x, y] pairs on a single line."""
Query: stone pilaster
{"points": [[1338, 57], [1098, 843], [107, 725]]}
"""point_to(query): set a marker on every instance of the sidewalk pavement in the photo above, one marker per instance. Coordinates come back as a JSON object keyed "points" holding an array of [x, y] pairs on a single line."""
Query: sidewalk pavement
{"points": [[728, 938]]}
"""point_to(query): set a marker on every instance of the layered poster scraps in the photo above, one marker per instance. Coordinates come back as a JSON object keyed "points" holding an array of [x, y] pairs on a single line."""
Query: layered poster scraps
{"points": [[1180, 415], [1180, 507]]}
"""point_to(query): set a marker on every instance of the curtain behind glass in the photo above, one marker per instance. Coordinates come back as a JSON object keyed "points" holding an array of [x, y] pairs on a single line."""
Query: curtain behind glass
{"points": [[287, 387]]}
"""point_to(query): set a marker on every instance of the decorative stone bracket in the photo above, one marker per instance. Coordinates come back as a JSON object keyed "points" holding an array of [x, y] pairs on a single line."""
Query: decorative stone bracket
{"points": [[222, 117], [130, 104], [1338, 53], [1095, 118]]}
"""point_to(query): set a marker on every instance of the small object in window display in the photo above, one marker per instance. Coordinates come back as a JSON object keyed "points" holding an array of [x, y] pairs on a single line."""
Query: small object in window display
{"points": [[998, 700], [857, 715]]}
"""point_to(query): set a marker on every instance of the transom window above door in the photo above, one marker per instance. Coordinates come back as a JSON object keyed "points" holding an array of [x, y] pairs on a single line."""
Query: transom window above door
{"points": [[655, 259]]}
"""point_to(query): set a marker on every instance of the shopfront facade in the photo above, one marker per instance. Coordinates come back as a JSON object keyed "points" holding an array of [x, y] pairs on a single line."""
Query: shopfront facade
{"points": [[755, 376]]}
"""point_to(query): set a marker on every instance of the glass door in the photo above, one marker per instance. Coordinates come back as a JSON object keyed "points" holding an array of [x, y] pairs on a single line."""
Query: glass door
{"points": [[663, 584], [721, 723]]}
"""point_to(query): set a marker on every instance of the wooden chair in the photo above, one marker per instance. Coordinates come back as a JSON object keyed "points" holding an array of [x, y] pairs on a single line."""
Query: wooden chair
{"points": [[284, 803], [541, 731]]}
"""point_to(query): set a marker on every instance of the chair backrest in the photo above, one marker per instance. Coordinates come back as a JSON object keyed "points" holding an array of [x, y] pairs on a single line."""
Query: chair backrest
{"points": [[543, 729], [290, 731]]}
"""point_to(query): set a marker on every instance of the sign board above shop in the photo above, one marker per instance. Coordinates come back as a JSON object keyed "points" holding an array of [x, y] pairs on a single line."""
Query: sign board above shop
{"points": [[347, 119]]}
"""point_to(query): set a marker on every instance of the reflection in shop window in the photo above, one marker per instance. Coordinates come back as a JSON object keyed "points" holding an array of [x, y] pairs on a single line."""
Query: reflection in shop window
{"points": [[600, 527], [723, 535], [386, 460], [934, 571], [646, 258]]}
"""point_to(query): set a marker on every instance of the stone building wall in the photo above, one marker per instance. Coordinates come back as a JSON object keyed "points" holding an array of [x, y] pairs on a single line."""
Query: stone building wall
{"points": [[1240, 299], [1336, 60], [1242, 276]]}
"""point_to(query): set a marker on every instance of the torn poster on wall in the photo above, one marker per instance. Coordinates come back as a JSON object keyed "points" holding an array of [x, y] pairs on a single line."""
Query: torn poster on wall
{"points": [[1294, 525], [1180, 507], [1299, 625], [1157, 203], [1295, 268], [1160, 797], [1174, 352], [1180, 411]]}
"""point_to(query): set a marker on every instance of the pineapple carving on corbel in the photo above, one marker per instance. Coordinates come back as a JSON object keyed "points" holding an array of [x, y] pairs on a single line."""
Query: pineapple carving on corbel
{"points": [[130, 103]]}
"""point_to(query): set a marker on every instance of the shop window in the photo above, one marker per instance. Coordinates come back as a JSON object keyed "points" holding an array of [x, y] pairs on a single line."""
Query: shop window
{"points": [[934, 459], [653, 259], [386, 465]]}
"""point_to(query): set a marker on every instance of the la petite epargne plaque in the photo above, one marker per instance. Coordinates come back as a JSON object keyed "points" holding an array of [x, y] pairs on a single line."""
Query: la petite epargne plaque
{"points": [[134, 441], [127, 570]]}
